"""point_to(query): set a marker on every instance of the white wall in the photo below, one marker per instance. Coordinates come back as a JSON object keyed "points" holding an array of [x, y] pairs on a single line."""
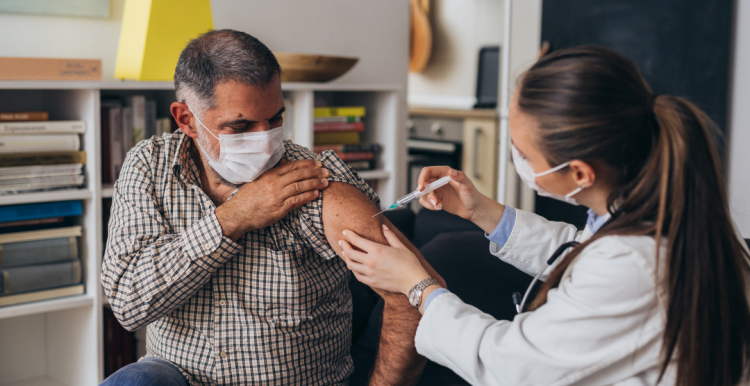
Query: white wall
{"points": [[739, 126], [459, 29], [375, 31]]}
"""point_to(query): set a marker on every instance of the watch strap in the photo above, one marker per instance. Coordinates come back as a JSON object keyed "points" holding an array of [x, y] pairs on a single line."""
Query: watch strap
{"points": [[419, 288]]}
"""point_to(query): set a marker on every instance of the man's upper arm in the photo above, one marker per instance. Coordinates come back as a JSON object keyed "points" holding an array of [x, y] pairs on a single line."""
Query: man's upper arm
{"points": [[346, 207]]}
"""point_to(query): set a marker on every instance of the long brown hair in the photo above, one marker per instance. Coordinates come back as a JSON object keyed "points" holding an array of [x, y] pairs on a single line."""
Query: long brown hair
{"points": [[592, 104]]}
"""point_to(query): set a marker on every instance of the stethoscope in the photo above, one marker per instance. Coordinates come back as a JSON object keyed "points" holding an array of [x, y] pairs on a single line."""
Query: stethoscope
{"points": [[521, 303]]}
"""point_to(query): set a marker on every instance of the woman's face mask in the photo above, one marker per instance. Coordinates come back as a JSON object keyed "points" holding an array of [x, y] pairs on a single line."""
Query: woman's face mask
{"points": [[528, 176], [244, 157]]}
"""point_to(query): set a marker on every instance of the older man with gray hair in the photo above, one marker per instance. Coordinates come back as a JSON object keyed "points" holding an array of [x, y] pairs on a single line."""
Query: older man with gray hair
{"points": [[223, 239]]}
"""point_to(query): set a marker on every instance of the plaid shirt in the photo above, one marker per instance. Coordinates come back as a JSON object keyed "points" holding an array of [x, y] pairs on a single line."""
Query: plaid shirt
{"points": [[273, 308]]}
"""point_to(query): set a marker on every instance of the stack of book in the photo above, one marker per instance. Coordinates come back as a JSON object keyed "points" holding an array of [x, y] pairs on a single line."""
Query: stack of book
{"points": [[37, 154], [339, 129], [125, 123], [41, 262]]}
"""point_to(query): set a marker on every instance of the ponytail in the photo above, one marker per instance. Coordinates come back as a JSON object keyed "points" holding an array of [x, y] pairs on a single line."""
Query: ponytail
{"points": [[593, 104]]}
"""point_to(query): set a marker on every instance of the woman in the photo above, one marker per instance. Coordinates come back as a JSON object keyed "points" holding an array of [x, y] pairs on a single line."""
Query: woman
{"points": [[655, 292]]}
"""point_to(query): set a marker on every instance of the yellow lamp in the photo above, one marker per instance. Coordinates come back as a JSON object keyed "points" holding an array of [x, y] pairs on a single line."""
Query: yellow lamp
{"points": [[153, 34]]}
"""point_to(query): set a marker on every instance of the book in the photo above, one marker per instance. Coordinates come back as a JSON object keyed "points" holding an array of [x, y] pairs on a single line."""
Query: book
{"points": [[53, 158], [29, 186], [338, 126], [39, 252], [112, 147], [127, 129], [356, 111], [150, 120], [38, 277], [356, 156], [17, 237], [43, 127], [13, 172], [361, 165], [30, 143], [338, 148], [51, 180], [163, 126], [9, 300], [26, 224], [337, 119], [119, 344], [50, 69], [344, 137], [40, 210], [24, 116], [138, 106]]}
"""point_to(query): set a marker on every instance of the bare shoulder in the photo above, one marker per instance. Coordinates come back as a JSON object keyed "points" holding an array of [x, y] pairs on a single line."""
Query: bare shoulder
{"points": [[347, 207]]}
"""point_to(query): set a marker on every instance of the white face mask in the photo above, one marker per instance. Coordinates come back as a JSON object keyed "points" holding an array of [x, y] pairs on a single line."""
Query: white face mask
{"points": [[244, 157], [528, 176]]}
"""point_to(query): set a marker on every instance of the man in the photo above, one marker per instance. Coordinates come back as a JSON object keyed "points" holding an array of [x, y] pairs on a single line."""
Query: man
{"points": [[223, 239]]}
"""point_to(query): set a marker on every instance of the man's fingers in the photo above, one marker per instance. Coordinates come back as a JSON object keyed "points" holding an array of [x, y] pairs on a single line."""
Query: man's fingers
{"points": [[360, 242], [300, 199], [298, 164], [303, 186], [302, 174], [393, 240]]}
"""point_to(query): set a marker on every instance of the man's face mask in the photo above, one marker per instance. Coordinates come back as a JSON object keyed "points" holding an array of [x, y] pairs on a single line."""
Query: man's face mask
{"points": [[244, 157]]}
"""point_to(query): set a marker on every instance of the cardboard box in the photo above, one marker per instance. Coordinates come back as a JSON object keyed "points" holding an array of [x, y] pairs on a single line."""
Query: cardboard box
{"points": [[50, 69]]}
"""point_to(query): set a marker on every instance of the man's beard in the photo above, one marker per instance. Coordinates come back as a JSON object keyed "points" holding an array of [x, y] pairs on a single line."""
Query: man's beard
{"points": [[209, 148]]}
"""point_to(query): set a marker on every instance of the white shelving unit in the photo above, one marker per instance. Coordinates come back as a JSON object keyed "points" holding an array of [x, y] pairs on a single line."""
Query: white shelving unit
{"points": [[60, 342]]}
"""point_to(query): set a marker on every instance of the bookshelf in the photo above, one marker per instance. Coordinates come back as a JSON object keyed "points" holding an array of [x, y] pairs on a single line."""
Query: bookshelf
{"points": [[60, 341]]}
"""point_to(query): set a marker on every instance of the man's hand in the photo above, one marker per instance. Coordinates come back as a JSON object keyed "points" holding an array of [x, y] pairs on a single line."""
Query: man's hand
{"points": [[275, 193]]}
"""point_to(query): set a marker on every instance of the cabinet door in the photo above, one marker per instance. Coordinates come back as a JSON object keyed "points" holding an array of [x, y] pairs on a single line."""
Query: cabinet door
{"points": [[480, 154]]}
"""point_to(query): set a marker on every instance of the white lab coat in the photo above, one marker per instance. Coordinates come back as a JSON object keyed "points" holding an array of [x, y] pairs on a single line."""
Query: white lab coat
{"points": [[602, 326]]}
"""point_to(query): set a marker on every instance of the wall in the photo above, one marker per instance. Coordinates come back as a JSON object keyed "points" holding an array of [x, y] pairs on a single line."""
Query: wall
{"points": [[459, 29], [375, 31], [739, 122]]}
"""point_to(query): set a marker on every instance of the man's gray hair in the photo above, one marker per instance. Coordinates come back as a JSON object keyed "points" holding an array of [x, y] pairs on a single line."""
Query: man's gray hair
{"points": [[218, 56]]}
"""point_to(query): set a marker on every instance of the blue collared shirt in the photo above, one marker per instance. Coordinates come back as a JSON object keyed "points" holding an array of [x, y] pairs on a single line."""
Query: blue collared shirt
{"points": [[502, 232]]}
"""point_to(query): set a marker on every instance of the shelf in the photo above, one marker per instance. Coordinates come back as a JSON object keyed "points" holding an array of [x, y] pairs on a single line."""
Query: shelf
{"points": [[51, 196], [374, 174], [43, 306], [108, 190], [43, 381], [114, 84]]}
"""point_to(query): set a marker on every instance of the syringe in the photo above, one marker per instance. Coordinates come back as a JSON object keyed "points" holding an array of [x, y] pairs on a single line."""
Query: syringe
{"points": [[415, 195]]}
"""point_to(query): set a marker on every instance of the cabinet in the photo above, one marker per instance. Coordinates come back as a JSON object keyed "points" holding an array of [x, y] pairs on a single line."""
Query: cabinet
{"points": [[60, 341], [480, 154]]}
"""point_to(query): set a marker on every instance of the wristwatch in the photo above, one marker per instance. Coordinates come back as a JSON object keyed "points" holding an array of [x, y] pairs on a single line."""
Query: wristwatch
{"points": [[415, 294]]}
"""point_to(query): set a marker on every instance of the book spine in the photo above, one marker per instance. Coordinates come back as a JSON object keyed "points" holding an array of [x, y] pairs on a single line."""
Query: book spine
{"points": [[338, 126], [40, 210], [115, 135], [38, 143], [24, 116], [48, 127], [150, 119], [355, 156], [127, 129], [321, 112], [361, 165], [368, 147], [38, 252], [58, 158], [39, 277], [342, 137], [138, 103], [336, 119], [106, 146]]}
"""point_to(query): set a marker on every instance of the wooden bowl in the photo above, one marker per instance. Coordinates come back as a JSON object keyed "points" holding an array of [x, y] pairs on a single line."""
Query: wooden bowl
{"points": [[312, 68]]}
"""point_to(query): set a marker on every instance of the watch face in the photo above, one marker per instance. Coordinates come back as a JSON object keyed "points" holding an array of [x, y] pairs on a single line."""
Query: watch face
{"points": [[414, 298]]}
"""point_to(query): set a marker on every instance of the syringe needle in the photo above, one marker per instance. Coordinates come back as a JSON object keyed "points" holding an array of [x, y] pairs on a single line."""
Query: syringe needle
{"points": [[381, 212]]}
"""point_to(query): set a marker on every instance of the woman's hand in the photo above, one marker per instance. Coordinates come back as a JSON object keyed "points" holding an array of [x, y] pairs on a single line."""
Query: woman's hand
{"points": [[460, 197], [391, 268]]}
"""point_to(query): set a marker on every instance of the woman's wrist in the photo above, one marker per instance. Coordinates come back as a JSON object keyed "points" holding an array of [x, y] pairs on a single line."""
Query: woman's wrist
{"points": [[488, 215], [414, 280]]}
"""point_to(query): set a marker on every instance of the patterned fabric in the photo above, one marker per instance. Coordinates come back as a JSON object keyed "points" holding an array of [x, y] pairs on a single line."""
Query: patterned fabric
{"points": [[273, 308]]}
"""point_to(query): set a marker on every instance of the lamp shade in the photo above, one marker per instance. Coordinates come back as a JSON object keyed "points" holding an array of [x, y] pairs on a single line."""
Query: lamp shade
{"points": [[153, 34]]}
